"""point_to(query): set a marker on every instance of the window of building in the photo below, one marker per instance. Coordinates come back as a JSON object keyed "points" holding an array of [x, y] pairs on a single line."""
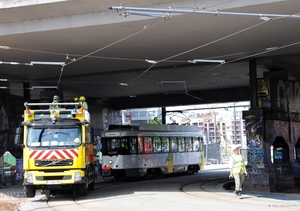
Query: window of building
{"points": [[151, 113], [143, 113], [134, 114]]}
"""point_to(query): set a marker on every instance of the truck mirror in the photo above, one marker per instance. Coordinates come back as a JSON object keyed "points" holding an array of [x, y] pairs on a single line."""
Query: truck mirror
{"points": [[91, 135], [18, 135]]}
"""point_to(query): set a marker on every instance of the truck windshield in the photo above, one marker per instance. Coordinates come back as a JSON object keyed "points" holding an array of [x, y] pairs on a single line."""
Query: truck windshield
{"points": [[37, 137]]}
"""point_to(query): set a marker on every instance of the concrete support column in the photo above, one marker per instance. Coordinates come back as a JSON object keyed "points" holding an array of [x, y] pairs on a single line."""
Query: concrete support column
{"points": [[163, 115], [260, 178], [253, 84]]}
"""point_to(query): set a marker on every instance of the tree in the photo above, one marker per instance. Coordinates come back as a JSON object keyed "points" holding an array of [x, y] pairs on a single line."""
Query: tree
{"points": [[155, 120]]}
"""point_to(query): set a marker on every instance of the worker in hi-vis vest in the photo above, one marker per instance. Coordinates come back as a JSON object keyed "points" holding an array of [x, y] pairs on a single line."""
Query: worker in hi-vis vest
{"points": [[237, 170], [56, 100], [84, 103]]}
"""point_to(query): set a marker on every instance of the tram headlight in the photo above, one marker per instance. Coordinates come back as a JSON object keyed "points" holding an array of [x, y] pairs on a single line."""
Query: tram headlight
{"points": [[110, 162]]}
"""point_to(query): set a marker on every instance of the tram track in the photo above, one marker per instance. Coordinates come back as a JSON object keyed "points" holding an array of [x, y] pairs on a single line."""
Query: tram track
{"points": [[53, 202], [214, 190], [211, 189], [205, 190], [207, 186]]}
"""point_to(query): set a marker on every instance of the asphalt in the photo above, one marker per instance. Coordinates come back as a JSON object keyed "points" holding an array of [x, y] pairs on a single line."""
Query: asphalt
{"points": [[16, 191]]}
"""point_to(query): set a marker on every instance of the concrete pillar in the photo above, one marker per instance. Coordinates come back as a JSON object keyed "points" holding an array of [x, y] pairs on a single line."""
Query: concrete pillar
{"points": [[274, 124], [253, 83], [163, 115], [259, 177]]}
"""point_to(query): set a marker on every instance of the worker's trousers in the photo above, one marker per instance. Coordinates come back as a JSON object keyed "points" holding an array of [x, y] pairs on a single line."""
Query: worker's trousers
{"points": [[239, 180]]}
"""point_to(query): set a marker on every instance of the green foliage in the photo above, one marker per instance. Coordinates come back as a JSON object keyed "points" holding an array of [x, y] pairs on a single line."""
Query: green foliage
{"points": [[155, 120]]}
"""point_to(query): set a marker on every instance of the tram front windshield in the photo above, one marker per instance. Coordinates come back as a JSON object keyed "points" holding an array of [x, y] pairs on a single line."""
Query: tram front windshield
{"points": [[115, 146]]}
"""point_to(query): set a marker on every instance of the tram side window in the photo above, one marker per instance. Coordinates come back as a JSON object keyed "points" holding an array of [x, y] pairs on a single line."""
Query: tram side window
{"points": [[148, 144], [174, 144], [181, 146], [165, 144], [156, 145], [133, 145], [201, 144], [140, 145], [196, 144], [188, 144]]}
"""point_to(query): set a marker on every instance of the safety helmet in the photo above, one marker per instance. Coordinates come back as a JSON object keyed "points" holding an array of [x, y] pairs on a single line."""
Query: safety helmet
{"points": [[76, 99], [56, 97], [82, 98]]}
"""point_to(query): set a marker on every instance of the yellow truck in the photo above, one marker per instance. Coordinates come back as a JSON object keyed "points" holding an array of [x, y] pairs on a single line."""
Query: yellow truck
{"points": [[58, 149]]}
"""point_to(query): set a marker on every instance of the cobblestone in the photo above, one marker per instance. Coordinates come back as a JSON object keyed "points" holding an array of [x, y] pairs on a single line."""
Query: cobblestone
{"points": [[11, 198]]}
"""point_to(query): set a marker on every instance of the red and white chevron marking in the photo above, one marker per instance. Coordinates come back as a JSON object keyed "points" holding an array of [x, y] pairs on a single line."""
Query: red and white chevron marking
{"points": [[53, 154]]}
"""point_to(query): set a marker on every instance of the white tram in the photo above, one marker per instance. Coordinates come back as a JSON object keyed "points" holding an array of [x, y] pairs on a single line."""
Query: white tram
{"points": [[151, 150]]}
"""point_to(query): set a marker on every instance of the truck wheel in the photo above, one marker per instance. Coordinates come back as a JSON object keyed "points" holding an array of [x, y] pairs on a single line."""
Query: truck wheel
{"points": [[83, 189], [29, 191], [92, 185]]}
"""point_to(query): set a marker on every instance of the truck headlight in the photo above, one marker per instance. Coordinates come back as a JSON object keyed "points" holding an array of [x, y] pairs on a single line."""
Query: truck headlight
{"points": [[110, 161], [29, 177], [77, 176]]}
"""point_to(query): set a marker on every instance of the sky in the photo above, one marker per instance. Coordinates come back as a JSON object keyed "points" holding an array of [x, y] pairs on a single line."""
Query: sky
{"points": [[221, 110]]}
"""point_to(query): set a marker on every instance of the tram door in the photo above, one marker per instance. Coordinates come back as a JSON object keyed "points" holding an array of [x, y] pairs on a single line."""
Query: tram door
{"points": [[166, 148], [170, 162]]}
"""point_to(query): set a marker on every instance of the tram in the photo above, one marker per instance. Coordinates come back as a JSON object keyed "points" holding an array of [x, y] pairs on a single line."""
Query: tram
{"points": [[151, 150]]}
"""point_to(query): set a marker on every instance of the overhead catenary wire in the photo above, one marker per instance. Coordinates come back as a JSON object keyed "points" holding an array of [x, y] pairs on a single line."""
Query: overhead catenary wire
{"points": [[245, 57], [89, 54], [204, 45], [114, 43]]}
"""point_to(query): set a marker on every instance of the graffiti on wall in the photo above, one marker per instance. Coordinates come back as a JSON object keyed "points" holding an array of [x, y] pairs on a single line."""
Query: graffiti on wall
{"points": [[110, 117], [285, 95], [255, 138], [19, 170], [254, 133]]}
